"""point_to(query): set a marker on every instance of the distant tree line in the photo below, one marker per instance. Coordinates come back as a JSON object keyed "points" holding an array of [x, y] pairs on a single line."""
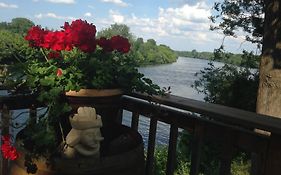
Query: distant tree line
{"points": [[226, 57], [17, 25]]}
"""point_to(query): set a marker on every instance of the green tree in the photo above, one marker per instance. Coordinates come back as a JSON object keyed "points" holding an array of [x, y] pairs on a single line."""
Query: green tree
{"points": [[116, 29], [17, 25], [261, 20], [233, 16]]}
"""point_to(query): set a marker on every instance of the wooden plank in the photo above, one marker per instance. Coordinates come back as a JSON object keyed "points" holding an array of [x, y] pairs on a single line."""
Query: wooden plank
{"points": [[227, 114], [197, 143], [171, 160], [227, 152], [135, 121], [33, 114], [151, 146], [257, 163], [248, 140], [273, 159], [19, 101], [119, 116]]}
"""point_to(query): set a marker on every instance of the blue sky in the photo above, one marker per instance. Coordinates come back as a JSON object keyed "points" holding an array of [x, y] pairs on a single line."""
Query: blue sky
{"points": [[180, 24]]}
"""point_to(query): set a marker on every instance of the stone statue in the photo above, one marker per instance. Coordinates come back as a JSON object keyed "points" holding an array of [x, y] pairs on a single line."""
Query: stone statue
{"points": [[85, 136]]}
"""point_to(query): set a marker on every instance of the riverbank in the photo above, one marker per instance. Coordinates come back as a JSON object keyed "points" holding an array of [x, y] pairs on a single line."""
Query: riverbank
{"points": [[246, 59]]}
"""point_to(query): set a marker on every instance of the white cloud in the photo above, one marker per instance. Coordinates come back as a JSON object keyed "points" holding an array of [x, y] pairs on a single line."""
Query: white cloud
{"points": [[91, 7], [117, 2], [62, 1], [4, 5], [88, 14], [182, 28], [54, 16], [186, 21], [116, 17]]}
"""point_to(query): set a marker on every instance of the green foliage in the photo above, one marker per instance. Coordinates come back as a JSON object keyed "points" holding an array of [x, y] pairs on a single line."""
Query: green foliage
{"points": [[241, 165], [161, 154], [18, 25], [14, 47], [232, 16], [228, 85], [149, 53], [116, 29], [231, 86], [195, 54]]}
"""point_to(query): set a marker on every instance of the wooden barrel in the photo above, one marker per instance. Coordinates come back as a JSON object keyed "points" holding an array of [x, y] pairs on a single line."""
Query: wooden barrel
{"points": [[124, 155]]}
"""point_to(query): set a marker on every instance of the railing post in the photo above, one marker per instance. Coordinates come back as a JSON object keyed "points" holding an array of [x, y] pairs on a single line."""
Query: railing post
{"points": [[197, 143], [227, 152], [119, 116], [273, 161], [151, 146], [257, 163], [5, 131], [171, 161], [33, 114], [135, 121]]}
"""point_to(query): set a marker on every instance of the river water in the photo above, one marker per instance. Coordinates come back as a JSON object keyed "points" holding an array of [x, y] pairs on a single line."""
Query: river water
{"points": [[179, 76]]}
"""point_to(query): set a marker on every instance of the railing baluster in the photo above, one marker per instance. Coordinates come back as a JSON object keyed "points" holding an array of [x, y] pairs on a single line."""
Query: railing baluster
{"points": [[5, 131], [257, 163], [151, 146], [119, 116], [197, 143], [273, 159], [171, 161], [33, 114], [135, 121], [226, 155]]}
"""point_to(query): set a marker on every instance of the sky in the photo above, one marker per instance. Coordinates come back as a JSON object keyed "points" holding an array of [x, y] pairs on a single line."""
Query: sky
{"points": [[179, 24]]}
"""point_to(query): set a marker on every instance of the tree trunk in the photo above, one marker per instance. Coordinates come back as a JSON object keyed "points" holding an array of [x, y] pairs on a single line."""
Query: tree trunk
{"points": [[269, 93]]}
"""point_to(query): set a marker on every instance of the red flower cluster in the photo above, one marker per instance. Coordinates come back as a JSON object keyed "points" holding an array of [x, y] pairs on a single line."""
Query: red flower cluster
{"points": [[8, 151], [79, 34], [115, 43]]}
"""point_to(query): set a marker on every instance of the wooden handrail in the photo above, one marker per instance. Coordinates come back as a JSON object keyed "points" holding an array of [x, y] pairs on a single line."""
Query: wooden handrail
{"points": [[226, 114]]}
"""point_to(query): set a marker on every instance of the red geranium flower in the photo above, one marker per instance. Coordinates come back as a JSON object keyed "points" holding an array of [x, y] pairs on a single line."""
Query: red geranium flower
{"points": [[54, 40], [82, 35], [35, 36], [59, 72], [105, 44], [8, 151], [120, 44]]}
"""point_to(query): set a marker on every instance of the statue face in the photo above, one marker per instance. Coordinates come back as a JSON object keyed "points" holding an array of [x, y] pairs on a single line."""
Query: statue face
{"points": [[90, 137]]}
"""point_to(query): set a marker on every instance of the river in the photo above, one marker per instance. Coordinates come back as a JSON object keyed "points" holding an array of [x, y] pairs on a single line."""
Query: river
{"points": [[179, 76]]}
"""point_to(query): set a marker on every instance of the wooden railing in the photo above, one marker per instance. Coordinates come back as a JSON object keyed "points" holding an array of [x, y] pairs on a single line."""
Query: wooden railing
{"points": [[13, 102], [231, 128]]}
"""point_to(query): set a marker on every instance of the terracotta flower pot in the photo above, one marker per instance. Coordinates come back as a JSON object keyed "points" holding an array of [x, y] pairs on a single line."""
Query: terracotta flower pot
{"points": [[106, 102]]}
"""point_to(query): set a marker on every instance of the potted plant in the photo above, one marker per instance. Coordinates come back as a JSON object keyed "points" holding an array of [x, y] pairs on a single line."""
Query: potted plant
{"points": [[67, 61]]}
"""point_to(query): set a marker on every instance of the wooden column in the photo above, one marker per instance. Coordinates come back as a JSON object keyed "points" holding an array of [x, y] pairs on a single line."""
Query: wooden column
{"points": [[269, 93]]}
